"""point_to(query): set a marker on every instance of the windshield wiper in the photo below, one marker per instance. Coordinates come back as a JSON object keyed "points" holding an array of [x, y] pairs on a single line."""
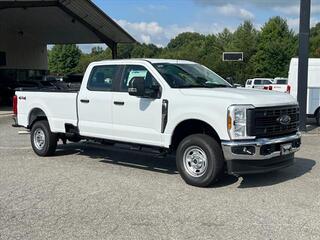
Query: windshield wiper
{"points": [[213, 85], [203, 86], [192, 86]]}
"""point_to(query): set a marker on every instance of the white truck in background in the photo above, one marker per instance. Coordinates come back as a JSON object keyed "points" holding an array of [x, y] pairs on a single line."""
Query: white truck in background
{"points": [[279, 85], [258, 83], [172, 106], [313, 95]]}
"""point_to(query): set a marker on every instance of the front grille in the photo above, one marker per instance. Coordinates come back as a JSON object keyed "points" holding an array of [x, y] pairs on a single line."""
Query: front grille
{"points": [[264, 122]]}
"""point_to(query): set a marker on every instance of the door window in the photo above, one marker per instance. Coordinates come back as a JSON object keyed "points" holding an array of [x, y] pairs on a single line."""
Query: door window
{"points": [[102, 78], [267, 82], [257, 82], [132, 71]]}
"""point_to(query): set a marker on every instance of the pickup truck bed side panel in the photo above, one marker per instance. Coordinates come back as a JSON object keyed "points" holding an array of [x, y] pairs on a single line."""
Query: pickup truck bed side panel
{"points": [[59, 107]]}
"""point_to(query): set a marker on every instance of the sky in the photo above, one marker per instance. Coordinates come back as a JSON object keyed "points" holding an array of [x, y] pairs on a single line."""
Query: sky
{"points": [[154, 21]]}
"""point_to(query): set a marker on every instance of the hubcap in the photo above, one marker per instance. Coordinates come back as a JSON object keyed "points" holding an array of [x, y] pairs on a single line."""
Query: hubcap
{"points": [[39, 139], [195, 161]]}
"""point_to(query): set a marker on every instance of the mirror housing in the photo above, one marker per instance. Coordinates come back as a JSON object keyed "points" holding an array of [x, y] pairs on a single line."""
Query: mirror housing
{"points": [[136, 87], [230, 80]]}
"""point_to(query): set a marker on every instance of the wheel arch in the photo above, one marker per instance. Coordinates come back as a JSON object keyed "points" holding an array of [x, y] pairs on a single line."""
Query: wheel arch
{"points": [[192, 126], [317, 111], [36, 114]]}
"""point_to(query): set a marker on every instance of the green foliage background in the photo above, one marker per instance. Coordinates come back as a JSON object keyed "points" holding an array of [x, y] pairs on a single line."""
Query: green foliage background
{"points": [[267, 52]]}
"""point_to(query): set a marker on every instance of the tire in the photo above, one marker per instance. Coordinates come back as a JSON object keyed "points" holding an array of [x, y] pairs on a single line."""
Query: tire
{"points": [[318, 117], [207, 160], [43, 141]]}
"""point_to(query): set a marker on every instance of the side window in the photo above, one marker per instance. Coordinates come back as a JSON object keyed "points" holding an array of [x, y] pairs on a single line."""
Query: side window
{"points": [[257, 82], [102, 78], [249, 82], [265, 82], [132, 71]]}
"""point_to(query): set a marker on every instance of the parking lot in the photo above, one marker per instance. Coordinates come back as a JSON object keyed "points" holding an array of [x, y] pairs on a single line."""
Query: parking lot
{"points": [[90, 192]]}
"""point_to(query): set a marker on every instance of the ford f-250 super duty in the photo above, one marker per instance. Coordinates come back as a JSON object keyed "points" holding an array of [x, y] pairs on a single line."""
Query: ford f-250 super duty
{"points": [[174, 106]]}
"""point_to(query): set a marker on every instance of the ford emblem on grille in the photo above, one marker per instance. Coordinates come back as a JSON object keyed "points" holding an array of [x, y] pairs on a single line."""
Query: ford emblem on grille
{"points": [[284, 119]]}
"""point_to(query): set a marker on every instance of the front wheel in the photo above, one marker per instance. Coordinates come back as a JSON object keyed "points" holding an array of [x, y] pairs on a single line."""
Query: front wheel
{"points": [[318, 117], [43, 141], [199, 160]]}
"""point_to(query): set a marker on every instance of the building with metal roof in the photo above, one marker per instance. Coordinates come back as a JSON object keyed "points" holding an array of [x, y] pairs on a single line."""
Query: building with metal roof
{"points": [[60, 22], [27, 27]]}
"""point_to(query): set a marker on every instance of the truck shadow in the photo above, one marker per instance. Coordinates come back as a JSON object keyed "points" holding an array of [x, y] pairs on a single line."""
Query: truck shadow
{"points": [[167, 165], [121, 157], [300, 168]]}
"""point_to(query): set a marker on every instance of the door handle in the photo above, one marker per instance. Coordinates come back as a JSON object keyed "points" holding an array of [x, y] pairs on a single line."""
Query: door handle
{"points": [[118, 103], [84, 100]]}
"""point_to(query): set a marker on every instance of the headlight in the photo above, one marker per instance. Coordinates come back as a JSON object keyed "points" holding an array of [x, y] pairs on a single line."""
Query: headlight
{"points": [[237, 121]]}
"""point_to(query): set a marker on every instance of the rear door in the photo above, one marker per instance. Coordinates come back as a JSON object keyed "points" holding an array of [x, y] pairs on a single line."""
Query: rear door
{"points": [[258, 84], [137, 119], [95, 102]]}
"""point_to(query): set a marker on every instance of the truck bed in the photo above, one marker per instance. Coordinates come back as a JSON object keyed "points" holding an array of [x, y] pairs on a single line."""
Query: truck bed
{"points": [[60, 106]]}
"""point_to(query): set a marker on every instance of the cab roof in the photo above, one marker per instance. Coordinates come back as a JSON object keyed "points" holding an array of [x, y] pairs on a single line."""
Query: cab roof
{"points": [[151, 60]]}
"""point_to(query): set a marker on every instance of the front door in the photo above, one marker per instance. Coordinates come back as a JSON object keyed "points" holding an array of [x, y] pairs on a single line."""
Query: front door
{"points": [[137, 119]]}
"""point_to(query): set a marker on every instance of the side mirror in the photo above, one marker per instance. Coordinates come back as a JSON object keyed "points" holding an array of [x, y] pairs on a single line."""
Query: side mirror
{"points": [[136, 87], [230, 80]]}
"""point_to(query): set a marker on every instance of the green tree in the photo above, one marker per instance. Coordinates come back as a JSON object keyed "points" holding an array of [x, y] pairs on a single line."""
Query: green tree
{"points": [[97, 54], [244, 39], [315, 41], [219, 45], [184, 39], [145, 51], [224, 39], [277, 45], [187, 46], [63, 59]]}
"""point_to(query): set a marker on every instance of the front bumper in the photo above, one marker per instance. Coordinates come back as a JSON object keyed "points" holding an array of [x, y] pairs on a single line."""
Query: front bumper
{"points": [[260, 155]]}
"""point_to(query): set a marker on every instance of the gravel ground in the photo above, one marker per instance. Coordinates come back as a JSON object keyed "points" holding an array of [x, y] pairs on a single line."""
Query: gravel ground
{"points": [[87, 192]]}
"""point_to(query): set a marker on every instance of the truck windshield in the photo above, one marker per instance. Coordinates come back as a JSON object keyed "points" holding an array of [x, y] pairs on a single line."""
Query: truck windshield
{"points": [[190, 76]]}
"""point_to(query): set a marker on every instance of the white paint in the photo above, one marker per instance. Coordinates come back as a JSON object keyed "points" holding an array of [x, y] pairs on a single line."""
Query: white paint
{"points": [[313, 95], [139, 120], [258, 83]]}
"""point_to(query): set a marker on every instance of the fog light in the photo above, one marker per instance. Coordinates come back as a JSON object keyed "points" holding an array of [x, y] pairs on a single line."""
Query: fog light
{"points": [[244, 150]]}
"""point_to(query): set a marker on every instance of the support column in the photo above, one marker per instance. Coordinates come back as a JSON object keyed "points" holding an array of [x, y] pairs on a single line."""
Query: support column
{"points": [[303, 60], [114, 50]]}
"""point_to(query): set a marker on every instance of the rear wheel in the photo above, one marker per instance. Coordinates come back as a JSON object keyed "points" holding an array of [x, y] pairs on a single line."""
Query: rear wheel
{"points": [[199, 160], [43, 141]]}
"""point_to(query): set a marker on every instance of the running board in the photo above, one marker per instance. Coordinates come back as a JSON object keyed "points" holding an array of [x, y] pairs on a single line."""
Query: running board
{"points": [[23, 132]]}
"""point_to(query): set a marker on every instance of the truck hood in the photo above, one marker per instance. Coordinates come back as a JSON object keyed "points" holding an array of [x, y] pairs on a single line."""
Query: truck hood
{"points": [[255, 97]]}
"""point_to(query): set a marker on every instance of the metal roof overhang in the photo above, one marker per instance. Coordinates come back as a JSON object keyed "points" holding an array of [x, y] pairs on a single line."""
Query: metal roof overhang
{"points": [[61, 22]]}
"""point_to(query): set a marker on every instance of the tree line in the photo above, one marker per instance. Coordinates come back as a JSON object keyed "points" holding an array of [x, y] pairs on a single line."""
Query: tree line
{"points": [[267, 52]]}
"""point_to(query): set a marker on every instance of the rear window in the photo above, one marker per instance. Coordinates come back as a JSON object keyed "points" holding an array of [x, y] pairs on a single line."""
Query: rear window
{"points": [[102, 78], [283, 81]]}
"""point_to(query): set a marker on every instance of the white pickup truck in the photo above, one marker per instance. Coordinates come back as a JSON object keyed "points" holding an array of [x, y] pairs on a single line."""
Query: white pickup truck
{"points": [[174, 106], [279, 85]]}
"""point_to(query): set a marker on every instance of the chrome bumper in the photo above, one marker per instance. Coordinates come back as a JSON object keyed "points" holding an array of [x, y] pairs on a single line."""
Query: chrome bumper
{"points": [[258, 144]]}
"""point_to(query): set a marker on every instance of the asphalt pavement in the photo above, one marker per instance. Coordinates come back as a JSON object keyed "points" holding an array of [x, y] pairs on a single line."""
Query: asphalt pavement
{"points": [[93, 192]]}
